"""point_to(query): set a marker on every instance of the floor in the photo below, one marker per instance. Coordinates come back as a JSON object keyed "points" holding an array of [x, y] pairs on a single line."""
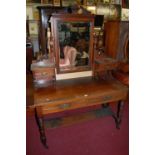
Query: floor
{"points": [[97, 137]]}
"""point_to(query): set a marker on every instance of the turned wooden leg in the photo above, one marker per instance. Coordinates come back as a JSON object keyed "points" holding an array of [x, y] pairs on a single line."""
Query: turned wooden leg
{"points": [[120, 107], [40, 123]]}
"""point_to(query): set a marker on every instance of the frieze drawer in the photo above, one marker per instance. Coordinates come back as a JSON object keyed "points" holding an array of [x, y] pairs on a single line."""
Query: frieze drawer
{"points": [[80, 102]]}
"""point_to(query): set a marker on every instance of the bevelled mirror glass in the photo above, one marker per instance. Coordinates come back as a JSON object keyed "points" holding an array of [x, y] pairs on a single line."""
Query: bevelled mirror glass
{"points": [[73, 42]]}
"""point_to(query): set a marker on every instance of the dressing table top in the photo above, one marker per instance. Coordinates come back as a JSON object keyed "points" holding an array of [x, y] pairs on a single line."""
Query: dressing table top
{"points": [[74, 93]]}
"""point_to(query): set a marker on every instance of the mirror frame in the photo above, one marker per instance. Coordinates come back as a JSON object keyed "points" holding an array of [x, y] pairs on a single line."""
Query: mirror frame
{"points": [[55, 18]]}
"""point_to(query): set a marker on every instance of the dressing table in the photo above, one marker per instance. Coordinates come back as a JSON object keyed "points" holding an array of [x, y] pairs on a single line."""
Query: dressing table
{"points": [[74, 94], [79, 89]]}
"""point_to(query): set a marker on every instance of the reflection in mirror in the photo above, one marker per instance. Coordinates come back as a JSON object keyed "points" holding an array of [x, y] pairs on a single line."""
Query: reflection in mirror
{"points": [[74, 38]]}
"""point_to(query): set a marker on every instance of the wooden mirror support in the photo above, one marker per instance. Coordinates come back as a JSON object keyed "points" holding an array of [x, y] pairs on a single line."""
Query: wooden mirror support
{"points": [[73, 41]]}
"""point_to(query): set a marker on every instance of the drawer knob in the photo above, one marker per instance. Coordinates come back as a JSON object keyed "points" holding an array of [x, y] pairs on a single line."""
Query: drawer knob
{"points": [[107, 98], [64, 106]]}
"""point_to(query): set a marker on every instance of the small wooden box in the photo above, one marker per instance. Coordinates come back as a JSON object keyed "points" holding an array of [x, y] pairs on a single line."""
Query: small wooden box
{"points": [[43, 74]]}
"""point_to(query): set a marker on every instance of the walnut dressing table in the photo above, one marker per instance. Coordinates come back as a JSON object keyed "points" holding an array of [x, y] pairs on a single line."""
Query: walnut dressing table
{"points": [[80, 92], [74, 94]]}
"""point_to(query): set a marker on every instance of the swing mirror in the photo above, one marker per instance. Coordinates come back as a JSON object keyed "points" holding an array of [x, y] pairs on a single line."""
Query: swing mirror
{"points": [[73, 43]]}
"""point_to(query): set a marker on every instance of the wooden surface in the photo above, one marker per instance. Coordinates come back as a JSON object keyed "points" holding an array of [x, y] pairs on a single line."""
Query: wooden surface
{"points": [[103, 66], [29, 58], [75, 93], [29, 95], [104, 63], [43, 74], [116, 33], [44, 15], [117, 46], [29, 90], [122, 74]]}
